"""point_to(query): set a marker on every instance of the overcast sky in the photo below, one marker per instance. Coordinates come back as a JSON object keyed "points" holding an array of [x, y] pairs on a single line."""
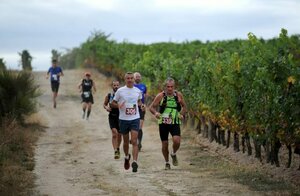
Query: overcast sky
{"points": [[42, 25]]}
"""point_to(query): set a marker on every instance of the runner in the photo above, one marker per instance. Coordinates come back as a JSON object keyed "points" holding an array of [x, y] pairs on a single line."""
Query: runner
{"points": [[55, 73], [86, 86], [142, 109], [171, 112], [127, 99], [113, 118]]}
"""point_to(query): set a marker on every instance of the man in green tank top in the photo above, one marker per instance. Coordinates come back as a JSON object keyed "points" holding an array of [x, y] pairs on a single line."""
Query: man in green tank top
{"points": [[172, 109]]}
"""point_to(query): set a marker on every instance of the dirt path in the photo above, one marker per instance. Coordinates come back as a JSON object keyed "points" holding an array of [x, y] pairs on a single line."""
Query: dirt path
{"points": [[75, 156]]}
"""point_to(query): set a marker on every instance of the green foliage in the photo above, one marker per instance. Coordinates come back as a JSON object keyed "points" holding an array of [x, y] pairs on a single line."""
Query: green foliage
{"points": [[55, 54], [2, 64], [70, 59], [243, 85], [17, 94], [26, 59]]}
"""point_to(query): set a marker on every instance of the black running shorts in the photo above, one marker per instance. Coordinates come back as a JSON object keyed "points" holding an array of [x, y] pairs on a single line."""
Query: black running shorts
{"points": [[54, 86], [165, 129], [129, 125], [114, 122], [88, 99]]}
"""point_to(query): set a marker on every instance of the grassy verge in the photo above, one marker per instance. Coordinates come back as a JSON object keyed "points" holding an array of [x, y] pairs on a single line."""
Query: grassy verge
{"points": [[17, 156], [254, 178]]}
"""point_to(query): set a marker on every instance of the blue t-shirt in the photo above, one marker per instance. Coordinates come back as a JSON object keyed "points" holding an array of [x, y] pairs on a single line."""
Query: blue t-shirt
{"points": [[54, 71], [142, 88]]}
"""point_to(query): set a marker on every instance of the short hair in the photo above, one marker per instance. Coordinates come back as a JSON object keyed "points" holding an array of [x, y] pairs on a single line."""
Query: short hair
{"points": [[87, 74], [136, 73], [169, 79], [54, 60], [128, 73], [114, 81]]}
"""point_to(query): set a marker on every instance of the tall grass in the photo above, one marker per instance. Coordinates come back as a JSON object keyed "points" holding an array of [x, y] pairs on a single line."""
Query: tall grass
{"points": [[17, 94], [16, 157]]}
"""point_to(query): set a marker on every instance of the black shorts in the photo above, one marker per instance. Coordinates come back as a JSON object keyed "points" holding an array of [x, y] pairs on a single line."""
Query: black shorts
{"points": [[129, 125], [165, 129], [87, 99], [54, 86], [114, 122], [142, 113]]}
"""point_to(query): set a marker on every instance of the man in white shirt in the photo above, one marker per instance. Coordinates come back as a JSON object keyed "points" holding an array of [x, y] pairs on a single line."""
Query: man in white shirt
{"points": [[127, 99]]}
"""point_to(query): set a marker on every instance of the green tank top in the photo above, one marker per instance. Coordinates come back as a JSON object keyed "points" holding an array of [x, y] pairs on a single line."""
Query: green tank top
{"points": [[170, 115]]}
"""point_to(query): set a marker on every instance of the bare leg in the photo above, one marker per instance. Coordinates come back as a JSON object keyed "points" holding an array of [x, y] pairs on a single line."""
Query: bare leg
{"points": [[54, 99], [165, 150], [115, 138], [83, 106], [83, 109], [89, 106], [119, 139], [140, 134], [126, 143], [134, 135], [176, 143]]}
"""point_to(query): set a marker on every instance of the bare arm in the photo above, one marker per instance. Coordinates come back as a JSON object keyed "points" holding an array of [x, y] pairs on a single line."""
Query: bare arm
{"points": [[106, 105], [140, 103], [61, 73], [80, 86], [94, 86], [114, 104], [183, 105], [155, 104]]}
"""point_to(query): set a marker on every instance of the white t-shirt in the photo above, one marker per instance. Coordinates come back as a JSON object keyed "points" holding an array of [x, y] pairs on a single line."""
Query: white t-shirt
{"points": [[130, 96]]}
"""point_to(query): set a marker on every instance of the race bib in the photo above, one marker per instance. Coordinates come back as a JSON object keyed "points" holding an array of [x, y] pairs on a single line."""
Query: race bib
{"points": [[130, 109], [166, 119], [86, 94], [54, 76]]}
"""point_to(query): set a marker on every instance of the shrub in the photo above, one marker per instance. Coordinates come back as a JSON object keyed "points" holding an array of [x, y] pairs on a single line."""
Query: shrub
{"points": [[17, 94]]}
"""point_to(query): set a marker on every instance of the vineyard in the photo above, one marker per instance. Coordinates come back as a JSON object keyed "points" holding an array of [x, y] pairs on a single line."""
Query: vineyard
{"points": [[247, 90]]}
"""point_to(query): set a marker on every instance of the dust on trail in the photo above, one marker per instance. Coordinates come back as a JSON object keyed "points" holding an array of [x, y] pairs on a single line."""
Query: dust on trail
{"points": [[75, 156]]}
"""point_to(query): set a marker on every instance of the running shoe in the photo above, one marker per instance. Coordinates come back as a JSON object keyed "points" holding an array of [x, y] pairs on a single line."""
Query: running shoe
{"points": [[134, 166], [127, 163], [167, 166], [117, 154], [174, 160]]}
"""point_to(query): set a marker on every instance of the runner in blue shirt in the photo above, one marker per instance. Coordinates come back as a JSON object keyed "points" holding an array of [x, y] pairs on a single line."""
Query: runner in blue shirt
{"points": [[55, 72], [142, 109]]}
